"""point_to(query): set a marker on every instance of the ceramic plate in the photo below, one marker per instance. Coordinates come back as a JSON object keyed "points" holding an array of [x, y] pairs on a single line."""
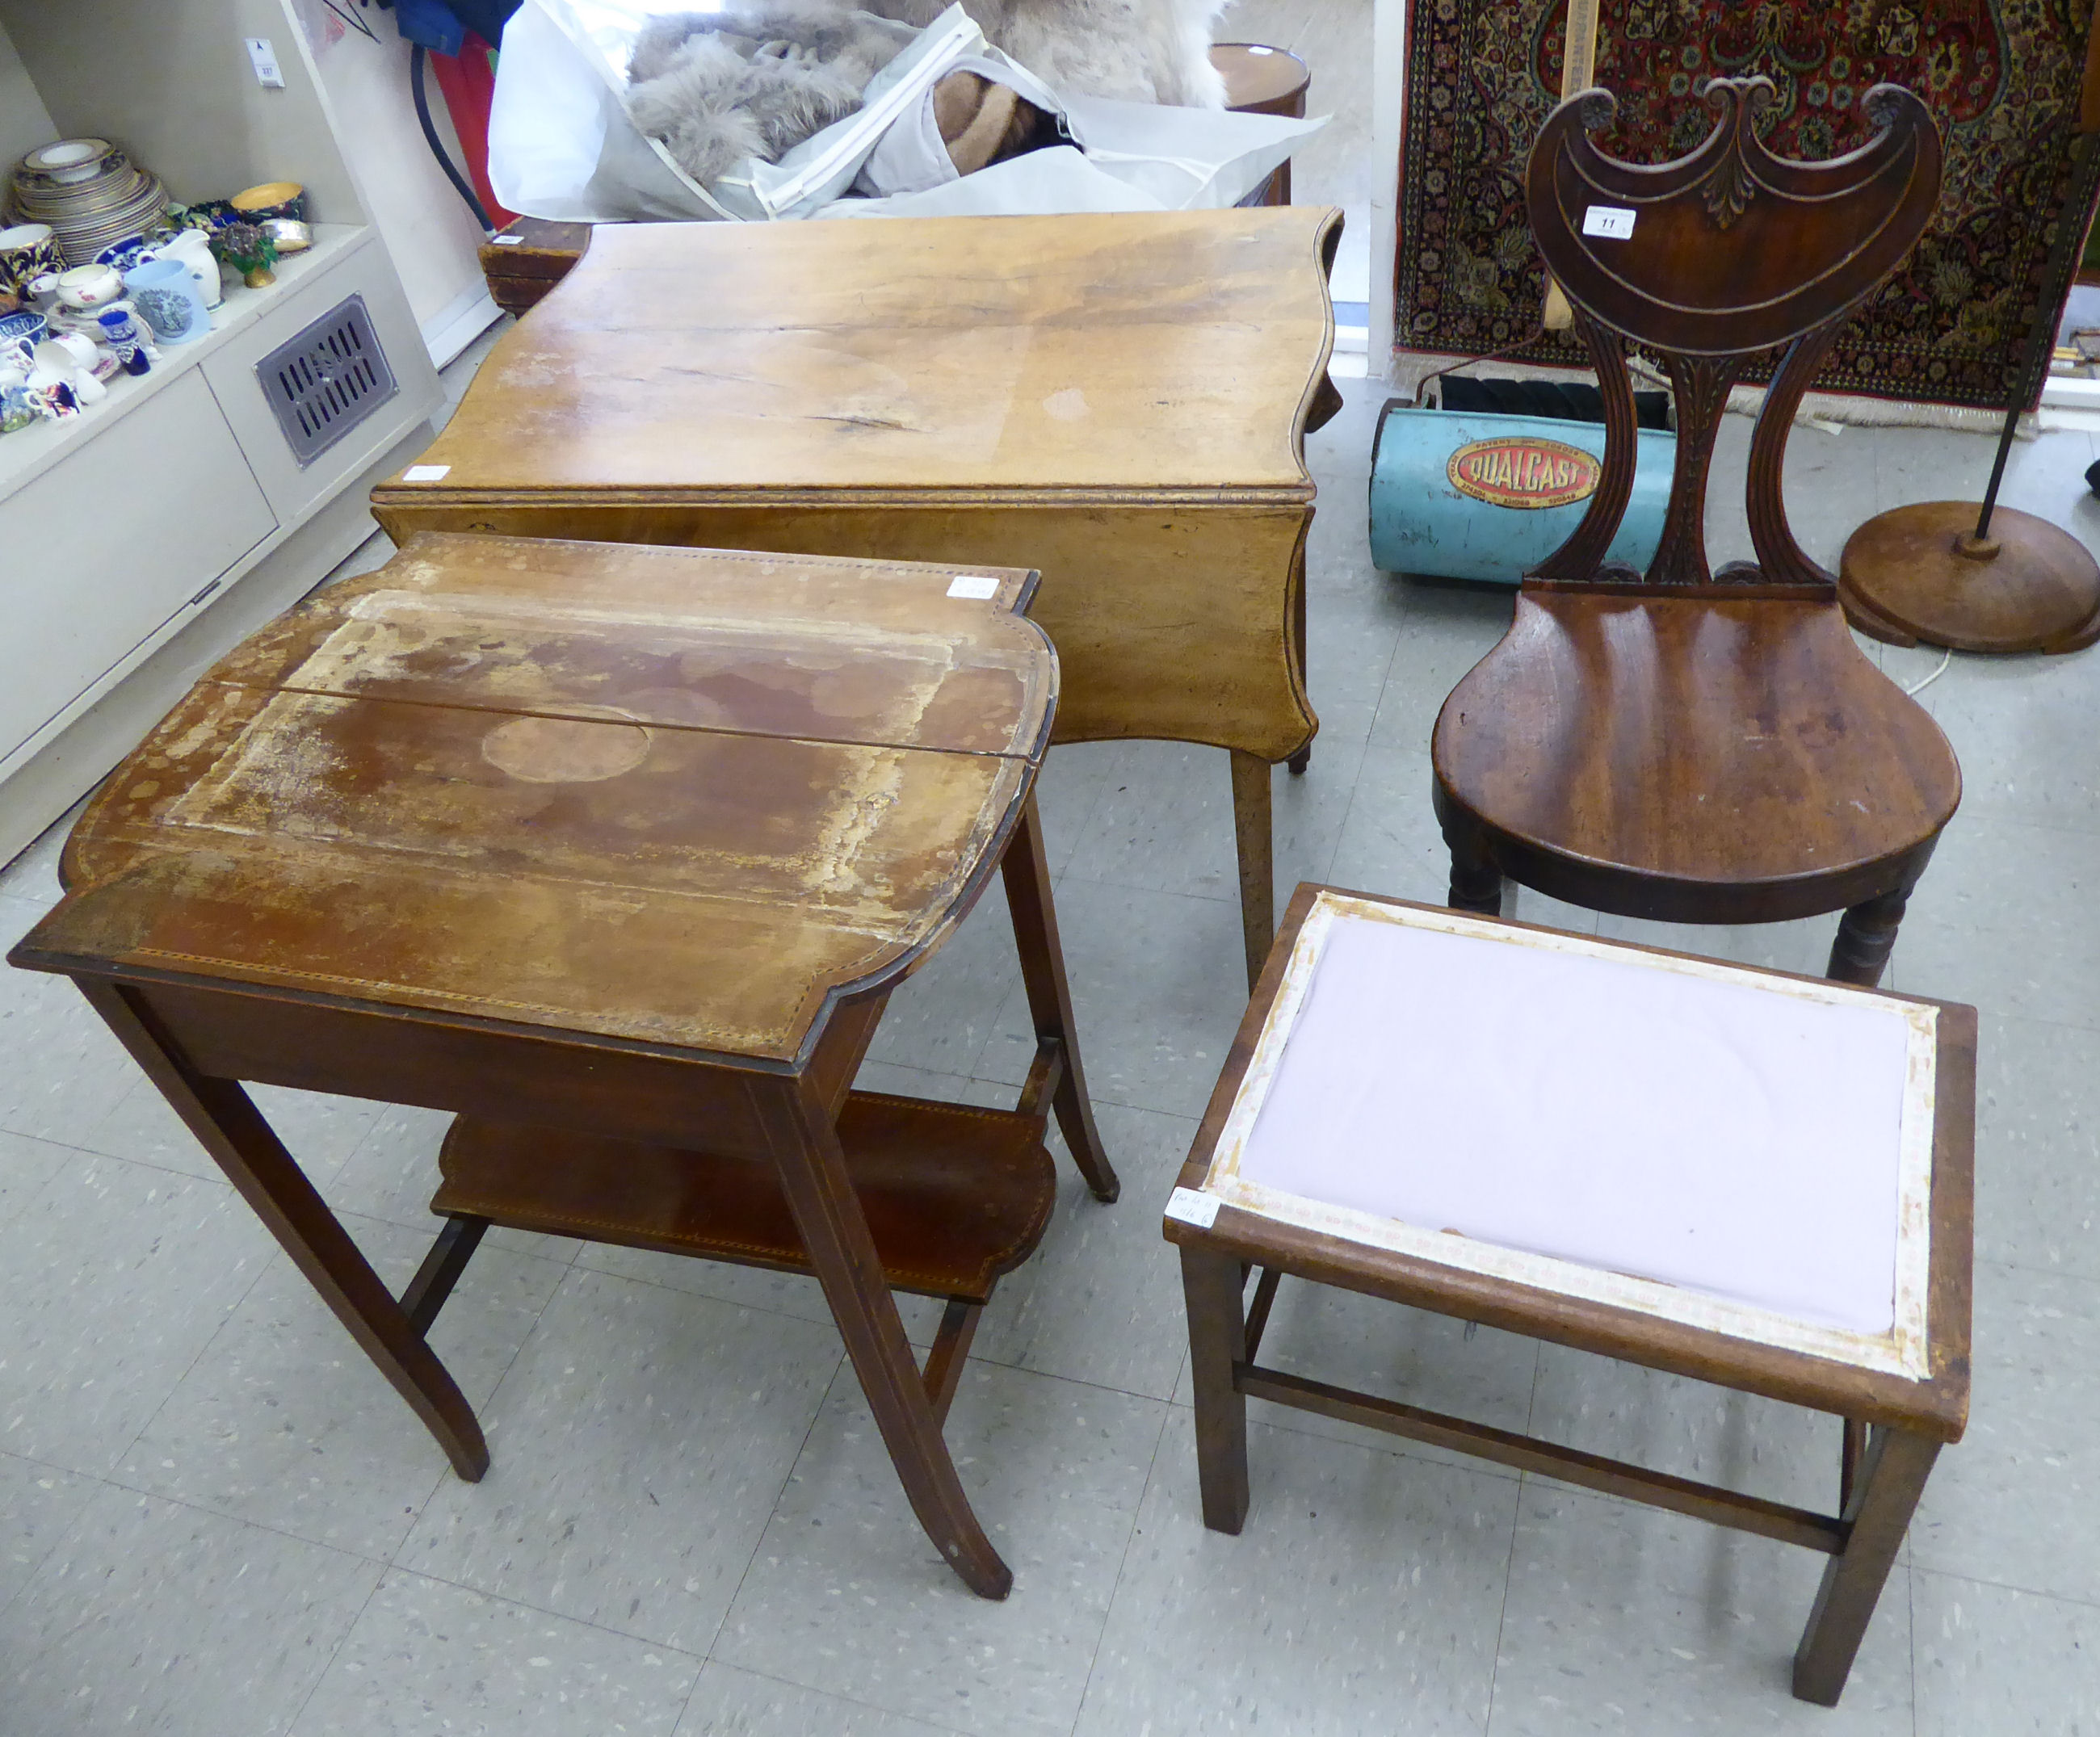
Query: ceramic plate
{"points": [[125, 255]]}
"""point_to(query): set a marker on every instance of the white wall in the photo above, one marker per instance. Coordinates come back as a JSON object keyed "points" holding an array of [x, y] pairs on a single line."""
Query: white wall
{"points": [[25, 123], [170, 82], [426, 225]]}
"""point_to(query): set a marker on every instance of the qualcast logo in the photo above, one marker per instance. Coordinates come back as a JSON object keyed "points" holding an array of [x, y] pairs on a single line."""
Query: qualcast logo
{"points": [[1516, 470]]}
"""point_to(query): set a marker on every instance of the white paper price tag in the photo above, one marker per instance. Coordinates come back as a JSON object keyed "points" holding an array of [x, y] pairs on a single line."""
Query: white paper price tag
{"points": [[426, 472], [510, 240], [1192, 1208], [263, 58], [973, 585], [1614, 222]]}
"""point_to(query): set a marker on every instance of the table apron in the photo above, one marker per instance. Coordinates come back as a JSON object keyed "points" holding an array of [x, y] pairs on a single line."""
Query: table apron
{"points": [[503, 1076]]}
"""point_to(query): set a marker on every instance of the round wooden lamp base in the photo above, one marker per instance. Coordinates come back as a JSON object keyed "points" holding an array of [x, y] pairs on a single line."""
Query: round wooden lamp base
{"points": [[1917, 573]]}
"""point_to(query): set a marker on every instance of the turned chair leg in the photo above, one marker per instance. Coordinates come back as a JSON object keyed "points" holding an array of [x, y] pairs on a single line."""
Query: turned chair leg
{"points": [[1865, 938], [1476, 882]]}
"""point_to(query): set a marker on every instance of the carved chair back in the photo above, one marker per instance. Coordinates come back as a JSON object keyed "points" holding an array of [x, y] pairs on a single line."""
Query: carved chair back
{"points": [[1708, 260]]}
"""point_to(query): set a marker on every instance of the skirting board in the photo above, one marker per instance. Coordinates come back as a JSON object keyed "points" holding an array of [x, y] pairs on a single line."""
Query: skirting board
{"points": [[82, 755], [458, 323], [1410, 368], [2061, 392]]}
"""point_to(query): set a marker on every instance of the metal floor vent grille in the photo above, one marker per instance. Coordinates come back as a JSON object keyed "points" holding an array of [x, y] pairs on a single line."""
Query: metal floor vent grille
{"points": [[326, 380]]}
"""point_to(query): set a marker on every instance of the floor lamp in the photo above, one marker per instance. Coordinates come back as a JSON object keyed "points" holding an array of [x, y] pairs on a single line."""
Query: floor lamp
{"points": [[1991, 577]]}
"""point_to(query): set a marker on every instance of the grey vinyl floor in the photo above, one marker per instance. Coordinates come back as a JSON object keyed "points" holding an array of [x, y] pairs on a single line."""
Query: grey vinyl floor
{"points": [[216, 1520]]}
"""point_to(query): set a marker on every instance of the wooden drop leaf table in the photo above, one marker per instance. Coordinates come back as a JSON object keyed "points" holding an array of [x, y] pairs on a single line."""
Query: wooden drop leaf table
{"points": [[617, 853], [1118, 400]]}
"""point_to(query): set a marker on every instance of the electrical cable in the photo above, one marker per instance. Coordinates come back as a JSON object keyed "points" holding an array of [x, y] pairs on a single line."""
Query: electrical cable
{"points": [[1422, 386], [352, 20], [1938, 670], [417, 56]]}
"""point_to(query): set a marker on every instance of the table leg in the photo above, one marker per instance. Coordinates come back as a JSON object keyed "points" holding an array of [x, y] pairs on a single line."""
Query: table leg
{"points": [[835, 1235], [1885, 1493], [1217, 1338], [1303, 758], [229, 1126], [1251, 830], [1027, 872]]}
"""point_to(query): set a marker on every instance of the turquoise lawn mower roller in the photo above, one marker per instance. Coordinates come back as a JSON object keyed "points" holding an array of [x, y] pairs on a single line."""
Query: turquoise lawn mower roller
{"points": [[1489, 483]]}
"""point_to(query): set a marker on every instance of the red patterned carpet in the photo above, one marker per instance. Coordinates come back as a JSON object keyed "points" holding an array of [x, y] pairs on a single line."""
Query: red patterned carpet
{"points": [[2001, 76]]}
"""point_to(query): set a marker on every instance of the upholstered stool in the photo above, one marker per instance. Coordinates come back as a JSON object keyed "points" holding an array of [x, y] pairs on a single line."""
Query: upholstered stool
{"points": [[1754, 1179]]}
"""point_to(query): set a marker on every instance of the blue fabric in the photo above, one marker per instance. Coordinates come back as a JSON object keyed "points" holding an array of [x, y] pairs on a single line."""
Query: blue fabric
{"points": [[431, 24]]}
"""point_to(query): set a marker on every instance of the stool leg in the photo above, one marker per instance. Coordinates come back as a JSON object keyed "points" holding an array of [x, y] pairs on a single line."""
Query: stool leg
{"points": [[1027, 872], [1217, 1336], [227, 1125], [827, 1213], [1885, 1494], [1866, 936], [1252, 831]]}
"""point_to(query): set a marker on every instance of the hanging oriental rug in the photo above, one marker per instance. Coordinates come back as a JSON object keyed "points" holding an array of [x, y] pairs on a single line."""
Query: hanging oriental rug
{"points": [[2001, 78]]}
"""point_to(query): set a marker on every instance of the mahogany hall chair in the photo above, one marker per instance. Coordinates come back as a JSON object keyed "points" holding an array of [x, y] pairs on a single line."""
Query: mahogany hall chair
{"points": [[1686, 745]]}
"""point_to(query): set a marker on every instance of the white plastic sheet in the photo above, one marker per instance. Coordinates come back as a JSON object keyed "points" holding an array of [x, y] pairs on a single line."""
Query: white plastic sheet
{"points": [[561, 145], [821, 168], [1042, 183], [911, 157]]}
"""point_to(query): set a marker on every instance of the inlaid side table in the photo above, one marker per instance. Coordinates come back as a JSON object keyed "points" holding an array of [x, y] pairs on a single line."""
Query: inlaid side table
{"points": [[617, 853], [1119, 400]]}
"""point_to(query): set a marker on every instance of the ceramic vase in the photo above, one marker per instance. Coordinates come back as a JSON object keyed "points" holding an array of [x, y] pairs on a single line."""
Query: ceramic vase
{"points": [[21, 332], [168, 299], [193, 248], [18, 408], [120, 331], [85, 287], [28, 250]]}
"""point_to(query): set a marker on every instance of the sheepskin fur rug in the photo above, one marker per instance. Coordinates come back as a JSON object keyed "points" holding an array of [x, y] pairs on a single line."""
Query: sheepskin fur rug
{"points": [[758, 79], [1138, 51], [717, 88]]}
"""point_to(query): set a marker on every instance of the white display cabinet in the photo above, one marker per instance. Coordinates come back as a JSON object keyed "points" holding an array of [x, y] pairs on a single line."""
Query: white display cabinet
{"points": [[142, 540]]}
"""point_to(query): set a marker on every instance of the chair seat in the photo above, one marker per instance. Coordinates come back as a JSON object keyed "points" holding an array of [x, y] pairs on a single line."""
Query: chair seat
{"points": [[1689, 758]]}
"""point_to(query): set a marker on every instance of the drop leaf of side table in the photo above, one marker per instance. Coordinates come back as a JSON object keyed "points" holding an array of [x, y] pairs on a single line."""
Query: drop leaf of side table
{"points": [[617, 853]]}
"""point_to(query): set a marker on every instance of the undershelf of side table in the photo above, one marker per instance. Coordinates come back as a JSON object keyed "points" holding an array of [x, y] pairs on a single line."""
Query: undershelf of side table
{"points": [[955, 1196]]}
